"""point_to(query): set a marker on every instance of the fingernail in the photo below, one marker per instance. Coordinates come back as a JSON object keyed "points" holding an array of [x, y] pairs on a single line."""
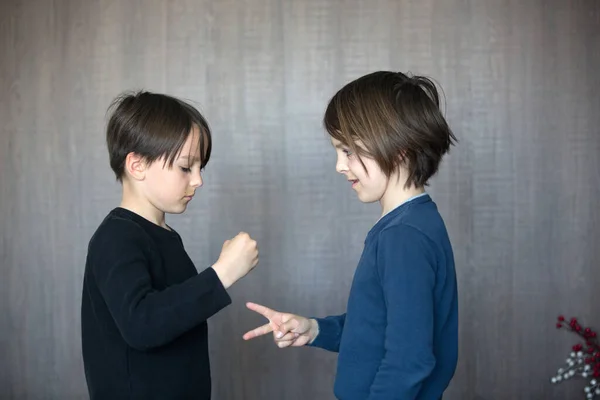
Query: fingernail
{"points": [[279, 334]]}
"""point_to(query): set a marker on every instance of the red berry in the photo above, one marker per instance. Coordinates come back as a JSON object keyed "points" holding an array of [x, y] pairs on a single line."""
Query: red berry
{"points": [[587, 330], [561, 318], [596, 374], [590, 350], [558, 325]]}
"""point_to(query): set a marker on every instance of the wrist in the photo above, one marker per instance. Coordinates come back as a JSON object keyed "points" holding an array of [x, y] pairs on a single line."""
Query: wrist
{"points": [[223, 276], [314, 330]]}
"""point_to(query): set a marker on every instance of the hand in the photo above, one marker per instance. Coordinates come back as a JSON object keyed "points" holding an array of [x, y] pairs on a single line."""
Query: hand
{"points": [[238, 257], [288, 329]]}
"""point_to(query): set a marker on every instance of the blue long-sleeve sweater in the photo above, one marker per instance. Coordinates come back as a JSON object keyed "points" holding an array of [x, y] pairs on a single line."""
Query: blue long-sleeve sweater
{"points": [[399, 336]]}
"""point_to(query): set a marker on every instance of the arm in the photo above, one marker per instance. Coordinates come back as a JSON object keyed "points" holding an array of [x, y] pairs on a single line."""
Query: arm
{"points": [[146, 317], [329, 332], [406, 264]]}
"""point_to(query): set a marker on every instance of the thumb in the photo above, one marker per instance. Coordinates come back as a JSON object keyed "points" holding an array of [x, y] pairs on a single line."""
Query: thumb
{"points": [[288, 326]]}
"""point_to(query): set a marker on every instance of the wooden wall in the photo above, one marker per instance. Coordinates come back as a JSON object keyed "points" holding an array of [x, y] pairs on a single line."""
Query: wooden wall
{"points": [[519, 193]]}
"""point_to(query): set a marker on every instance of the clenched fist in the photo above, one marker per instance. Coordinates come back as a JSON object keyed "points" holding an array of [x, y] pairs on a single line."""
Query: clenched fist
{"points": [[238, 257]]}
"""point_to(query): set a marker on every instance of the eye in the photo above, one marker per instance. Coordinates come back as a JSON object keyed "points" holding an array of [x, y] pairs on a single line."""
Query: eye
{"points": [[186, 170], [347, 152]]}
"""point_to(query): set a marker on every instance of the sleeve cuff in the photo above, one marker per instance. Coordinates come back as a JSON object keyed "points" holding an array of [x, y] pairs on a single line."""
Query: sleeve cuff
{"points": [[329, 334]]}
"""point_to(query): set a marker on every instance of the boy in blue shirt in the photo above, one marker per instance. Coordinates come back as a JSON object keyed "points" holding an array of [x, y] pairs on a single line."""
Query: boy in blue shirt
{"points": [[399, 336]]}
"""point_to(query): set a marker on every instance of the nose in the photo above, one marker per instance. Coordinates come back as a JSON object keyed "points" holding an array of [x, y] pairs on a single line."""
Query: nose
{"points": [[341, 165], [196, 180]]}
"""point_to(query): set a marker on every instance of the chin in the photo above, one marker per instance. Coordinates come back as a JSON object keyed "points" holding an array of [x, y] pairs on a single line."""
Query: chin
{"points": [[367, 200], [369, 196], [176, 210]]}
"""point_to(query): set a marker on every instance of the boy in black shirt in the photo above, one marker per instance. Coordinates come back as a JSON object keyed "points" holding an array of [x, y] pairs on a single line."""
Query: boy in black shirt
{"points": [[144, 306]]}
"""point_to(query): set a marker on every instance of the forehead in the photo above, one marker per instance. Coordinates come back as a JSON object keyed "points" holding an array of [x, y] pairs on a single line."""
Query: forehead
{"points": [[336, 143], [191, 147], [339, 145]]}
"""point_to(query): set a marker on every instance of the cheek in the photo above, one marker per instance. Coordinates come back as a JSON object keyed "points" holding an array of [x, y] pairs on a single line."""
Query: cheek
{"points": [[356, 168], [164, 181], [164, 178], [375, 178]]}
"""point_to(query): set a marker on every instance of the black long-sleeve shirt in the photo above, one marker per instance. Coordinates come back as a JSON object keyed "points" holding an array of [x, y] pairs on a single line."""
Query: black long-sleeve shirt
{"points": [[144, 311]]}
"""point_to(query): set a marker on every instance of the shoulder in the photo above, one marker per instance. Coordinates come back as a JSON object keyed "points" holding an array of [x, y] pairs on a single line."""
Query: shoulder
{"points": [[403, 234], [116, 232], [405, 243], [421, 225]]}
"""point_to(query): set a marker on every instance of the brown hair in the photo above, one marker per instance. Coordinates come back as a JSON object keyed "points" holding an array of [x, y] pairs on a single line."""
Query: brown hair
{"points": [[153, 126], [398, 120]]}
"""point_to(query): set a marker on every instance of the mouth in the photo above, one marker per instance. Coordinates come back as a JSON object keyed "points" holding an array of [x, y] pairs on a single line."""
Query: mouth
{"points": [[188, 198], [353, 182]]}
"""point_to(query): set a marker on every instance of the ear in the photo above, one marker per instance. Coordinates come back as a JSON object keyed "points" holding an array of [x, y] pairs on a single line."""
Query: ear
{"points": [[135, 166]]}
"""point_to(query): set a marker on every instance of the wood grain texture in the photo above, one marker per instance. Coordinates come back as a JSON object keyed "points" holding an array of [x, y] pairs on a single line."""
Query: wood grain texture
{"points": [[519, 194]]}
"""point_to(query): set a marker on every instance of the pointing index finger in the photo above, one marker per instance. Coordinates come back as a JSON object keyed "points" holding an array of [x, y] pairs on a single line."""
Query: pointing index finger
{"points": [[262, 310]]}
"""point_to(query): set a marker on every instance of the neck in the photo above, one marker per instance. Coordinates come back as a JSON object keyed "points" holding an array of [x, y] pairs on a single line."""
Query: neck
{"points": [[396, 195], [135, 202]]}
